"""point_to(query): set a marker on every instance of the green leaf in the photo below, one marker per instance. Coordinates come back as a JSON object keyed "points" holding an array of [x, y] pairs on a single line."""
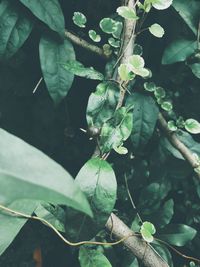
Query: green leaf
{"points": [[167, 106], [102, 103], [11, 225], [79, 19], [165, 213], [33, 175], [92, 258], [156, 30], [58, 79], [178, 51], [159, 92], [125, 73], [97, 180], [127, 12], [149, 227], [15, 28], [94, 36], [189, 15], [195, 68], [163, 251], [151, 197], [161, 4], [147, 231], [172, 126], [145, 116], [117, 130], [177, 234], [121, 150], [150, 86], [113, 42], [108, 25], [77, 68], [192, 126], [136, 65], [49, 12]]}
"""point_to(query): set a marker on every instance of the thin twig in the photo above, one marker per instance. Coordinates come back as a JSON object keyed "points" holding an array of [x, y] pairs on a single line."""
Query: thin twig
{"points": [[37, 85], [81, 42]]}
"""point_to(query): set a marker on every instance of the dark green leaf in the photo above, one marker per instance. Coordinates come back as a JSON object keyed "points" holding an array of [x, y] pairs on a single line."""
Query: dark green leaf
{"points": [[177, 234], [190, 14], [145, 115], [97, 180], [78, 69], [25, 172], [163, 252], [116, 130], [57, 78], [49, 12], [92, 258], [195, 68], [15, 28], [179, 50], [151, 197], [11, 225], [102, 103]]}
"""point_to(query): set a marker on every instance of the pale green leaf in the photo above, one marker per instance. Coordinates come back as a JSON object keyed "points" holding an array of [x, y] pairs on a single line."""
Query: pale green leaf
{"points": [[161, 4], [113, 42], [127, 12], [79, 19], [33, 175], [125, 73], [167, 106], [156, 30], [192, 126], [94, 36]]}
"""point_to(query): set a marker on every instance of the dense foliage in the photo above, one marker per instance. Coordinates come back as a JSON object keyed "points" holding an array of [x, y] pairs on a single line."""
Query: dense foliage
{"points": [[81, 135]]}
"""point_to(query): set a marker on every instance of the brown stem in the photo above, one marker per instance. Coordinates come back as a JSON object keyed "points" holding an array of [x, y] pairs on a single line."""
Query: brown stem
{"points": [[176, 143], [127, 48], [136, 245], [81, 42]]}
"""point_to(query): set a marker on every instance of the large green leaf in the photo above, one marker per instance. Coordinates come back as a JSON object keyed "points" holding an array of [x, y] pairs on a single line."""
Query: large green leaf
{"points": [[97, 180], [26, 172], [92, 258], [178, 51], [15, 28], [57, 78], [102, 103], [116, 130], [49, 12], [177, 234], [11, 225], [189, 12], [145, 115]]}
